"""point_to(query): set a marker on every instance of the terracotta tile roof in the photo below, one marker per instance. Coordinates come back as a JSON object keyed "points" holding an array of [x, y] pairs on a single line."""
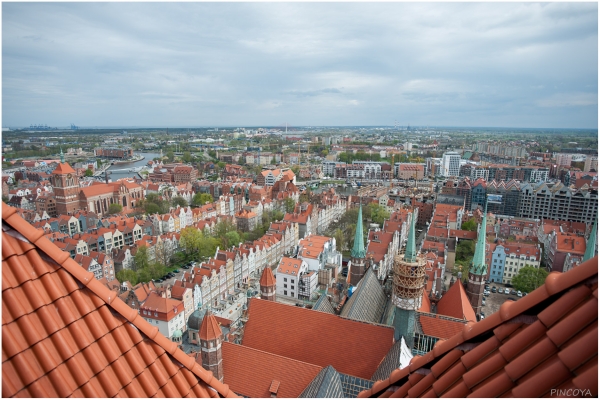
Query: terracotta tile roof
{"points": [[351, 347], [545, 341], [250, 372], [289, 266], [209, 330], [267, 278], [96, 190], [66, 334], [455, 303], [437, 327], [63, 168]]}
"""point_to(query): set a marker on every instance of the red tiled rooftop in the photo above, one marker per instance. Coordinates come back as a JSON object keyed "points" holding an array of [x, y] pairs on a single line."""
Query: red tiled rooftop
{"points": [[351, 347], [250, 372], [267, 278], [437, 327], [455, 303], [545, 341], [65, 334]]}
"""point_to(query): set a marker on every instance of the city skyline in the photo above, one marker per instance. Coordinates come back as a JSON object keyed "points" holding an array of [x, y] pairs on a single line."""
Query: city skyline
{"points": [[518, 65]]}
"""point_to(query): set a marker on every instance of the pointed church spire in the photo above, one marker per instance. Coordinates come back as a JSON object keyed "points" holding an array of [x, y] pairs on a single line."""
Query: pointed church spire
{"points": [[590, 247], [358, 250], [478, 266], [62, 156], [410, 252]]}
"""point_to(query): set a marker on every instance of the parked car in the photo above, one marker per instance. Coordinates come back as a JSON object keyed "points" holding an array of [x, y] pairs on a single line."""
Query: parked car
{"points": [[487, 287], [482, 316], [483, 302], [513, 292], [524, 293], [486, 292], [507, 291], [519, 294], [494, 289], [185, 266], [511, 298], [176, 271]]}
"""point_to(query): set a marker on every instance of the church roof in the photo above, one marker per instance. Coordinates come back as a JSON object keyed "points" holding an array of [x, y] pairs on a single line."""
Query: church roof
{"points": [[351, 347], [455, 303], [66, 334], [478, 266], [368, 301], [545, 341], [63, 168], [326, 385], [358, 250], [250, 372], [323, 304]]}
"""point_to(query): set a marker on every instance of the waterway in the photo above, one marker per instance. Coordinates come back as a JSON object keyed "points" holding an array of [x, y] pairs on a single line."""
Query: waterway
{"points": [[119, 171]]}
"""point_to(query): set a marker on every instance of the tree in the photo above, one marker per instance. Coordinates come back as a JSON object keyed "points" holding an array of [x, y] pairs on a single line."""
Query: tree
{"points": [[187, 157], [465, 251], [378, 213], [89, 172], [170, 155], [125, 275], [469, 225], [221, 164], [179, 201], [529, 278], [223, 227], [338, 235], [290, 204], [141, 258], [295, 169], [196, 244], [233, 238], [200, 199], [115, 208]]}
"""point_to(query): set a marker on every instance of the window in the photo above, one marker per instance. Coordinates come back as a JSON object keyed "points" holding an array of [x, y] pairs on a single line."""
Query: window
{"points": [[292, 289], [285, 286], [285, 279], [285, 292], [292, 281], [292, 294]]}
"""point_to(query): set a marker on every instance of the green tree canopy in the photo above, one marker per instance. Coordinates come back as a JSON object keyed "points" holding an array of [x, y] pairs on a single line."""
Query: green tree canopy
{"points": [[196, 244], [141, 258], [200, 199], [179, 201], [187, 157], [469, 225], [115, 208], [290, 204], [464, 252], [170, 156], [127, 275], [378, 213], [89, 172], [529, 278]]}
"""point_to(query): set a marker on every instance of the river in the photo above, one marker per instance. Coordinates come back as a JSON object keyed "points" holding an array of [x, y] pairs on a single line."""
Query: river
{"points": [[119, 171]]}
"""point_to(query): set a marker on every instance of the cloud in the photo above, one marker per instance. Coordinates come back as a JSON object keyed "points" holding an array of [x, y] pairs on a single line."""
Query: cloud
{"points": [[313, 63]]}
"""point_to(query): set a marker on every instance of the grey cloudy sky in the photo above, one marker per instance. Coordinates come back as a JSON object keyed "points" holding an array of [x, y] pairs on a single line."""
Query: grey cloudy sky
{"points": [[253, 64]]}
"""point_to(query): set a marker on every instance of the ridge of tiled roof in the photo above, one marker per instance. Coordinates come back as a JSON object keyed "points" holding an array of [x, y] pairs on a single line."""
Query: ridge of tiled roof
{"points": [[342, 342], [547, 340], [250, 372], [210, 329], [66, 334]]}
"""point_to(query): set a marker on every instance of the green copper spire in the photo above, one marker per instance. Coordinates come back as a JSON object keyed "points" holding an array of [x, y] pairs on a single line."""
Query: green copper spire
{"points": [[590, 247], [62, 156], [358, 250], [410, 252], [478, 266]]}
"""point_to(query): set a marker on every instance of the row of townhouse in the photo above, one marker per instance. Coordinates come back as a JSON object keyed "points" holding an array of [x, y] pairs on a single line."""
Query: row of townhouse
{"points": [[505, 260], [230, 271]]}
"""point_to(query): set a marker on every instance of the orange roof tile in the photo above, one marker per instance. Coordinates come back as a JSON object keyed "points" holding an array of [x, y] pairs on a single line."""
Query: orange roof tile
{"points": [[209, 330], [435, 326], [455, 303], [267, 278], [63, 168], [66, 334], [351, 347], [545, 341], [250, 372]]}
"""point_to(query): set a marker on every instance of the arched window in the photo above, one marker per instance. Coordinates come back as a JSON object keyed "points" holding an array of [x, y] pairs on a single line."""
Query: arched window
{"points": [[124, 202]]}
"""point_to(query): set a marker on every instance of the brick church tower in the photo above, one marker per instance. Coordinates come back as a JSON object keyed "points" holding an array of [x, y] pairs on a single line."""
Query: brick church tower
{"points": [[66, 187], [267, 285], [211, 339], [478, 269]]}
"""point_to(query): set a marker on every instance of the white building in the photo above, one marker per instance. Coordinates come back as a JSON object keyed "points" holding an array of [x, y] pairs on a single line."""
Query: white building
{"points": [[450, 164], [372, 170], [168, 315], [288, 276], [479, 172]]}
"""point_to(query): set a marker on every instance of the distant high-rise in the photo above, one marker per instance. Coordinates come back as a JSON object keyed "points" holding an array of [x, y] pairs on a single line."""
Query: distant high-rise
{"points": [[450, 164]]}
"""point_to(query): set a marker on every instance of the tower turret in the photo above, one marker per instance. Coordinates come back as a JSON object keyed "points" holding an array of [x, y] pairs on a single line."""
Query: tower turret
{"points": [[478, 269], [408, 286], [590, 246], [267, 285], [358, 253], [211, 339]]}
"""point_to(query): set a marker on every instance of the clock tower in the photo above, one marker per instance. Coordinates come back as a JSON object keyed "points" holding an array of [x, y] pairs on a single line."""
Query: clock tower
{"points": [[66, 187]]}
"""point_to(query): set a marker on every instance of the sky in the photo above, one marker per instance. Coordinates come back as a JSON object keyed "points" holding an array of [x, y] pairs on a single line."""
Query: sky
{"points": [[305, 64]]}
